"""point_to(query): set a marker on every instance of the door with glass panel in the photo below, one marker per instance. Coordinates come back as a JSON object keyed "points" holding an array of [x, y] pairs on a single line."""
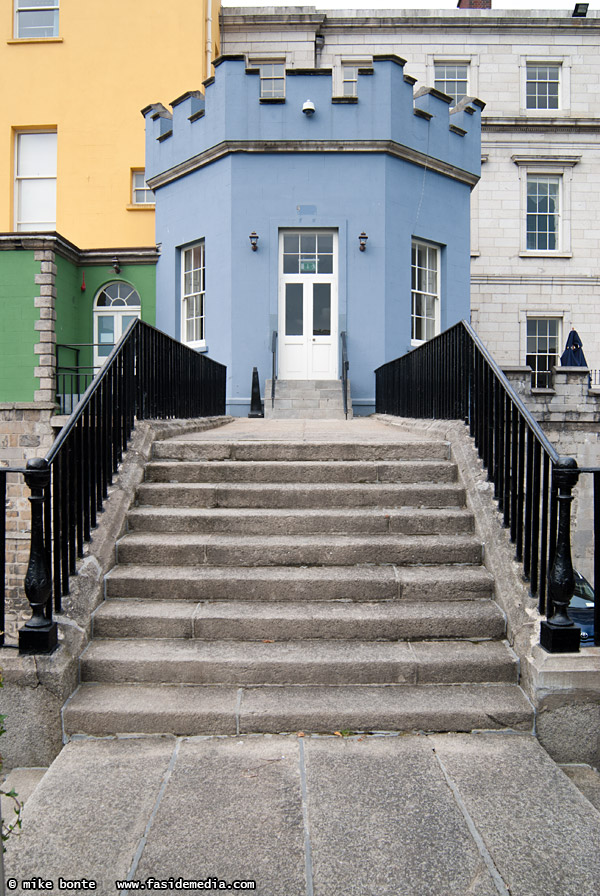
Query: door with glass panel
{"points": [[308, 305], [115, 307]]}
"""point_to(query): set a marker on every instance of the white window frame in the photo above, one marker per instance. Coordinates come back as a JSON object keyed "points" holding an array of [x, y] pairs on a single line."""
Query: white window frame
{"points": [[439, 62], [266, 76], [531, 316], [24, 6], [339, 74], [119, 307], [20, 180], [471, 61], [139, 188], [564, 89], [186, 253], [435, 294], [547, 166]]}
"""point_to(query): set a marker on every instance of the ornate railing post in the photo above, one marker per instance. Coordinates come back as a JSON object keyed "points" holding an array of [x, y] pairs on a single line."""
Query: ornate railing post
{"points": [[558, 634], [39, 634]]}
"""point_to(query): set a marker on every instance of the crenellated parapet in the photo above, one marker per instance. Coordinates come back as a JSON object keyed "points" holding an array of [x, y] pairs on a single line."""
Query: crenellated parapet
{"points": [[387, 115]]}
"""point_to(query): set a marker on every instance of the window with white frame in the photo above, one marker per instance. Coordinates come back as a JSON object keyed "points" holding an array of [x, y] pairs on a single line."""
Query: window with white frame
{"points": [[452, 78], [349, 79], [543, 212], [140, 194], [272, 80], [425, 292], [542, 86], [35, 181], [35, 19], [543, 338], [545, 191], [193, 295]]}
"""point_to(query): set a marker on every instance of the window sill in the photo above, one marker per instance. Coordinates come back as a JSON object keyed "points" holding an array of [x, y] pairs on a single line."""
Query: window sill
{"points": [[35, 40], [545, 253], [269, 100], [197, 346], [141, 207]]}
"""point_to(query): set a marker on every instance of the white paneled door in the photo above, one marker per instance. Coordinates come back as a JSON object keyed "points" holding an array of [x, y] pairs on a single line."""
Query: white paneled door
{"points": [[308, 305]]}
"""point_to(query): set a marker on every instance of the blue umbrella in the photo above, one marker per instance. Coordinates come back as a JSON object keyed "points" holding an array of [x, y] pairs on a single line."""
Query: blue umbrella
{"points": [[573, 354]]}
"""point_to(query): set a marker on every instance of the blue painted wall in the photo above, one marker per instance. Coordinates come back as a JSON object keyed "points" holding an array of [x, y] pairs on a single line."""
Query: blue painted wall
{"points": [[248, 186]]}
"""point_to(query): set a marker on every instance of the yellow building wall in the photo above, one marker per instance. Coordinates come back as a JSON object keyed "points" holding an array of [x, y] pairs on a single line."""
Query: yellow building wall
{"points": [[112, 58]]}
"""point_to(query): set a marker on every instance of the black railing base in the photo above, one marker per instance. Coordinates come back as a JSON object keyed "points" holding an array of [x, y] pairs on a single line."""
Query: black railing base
{"points": [[560, 638], [256, 405], [41, 639]]}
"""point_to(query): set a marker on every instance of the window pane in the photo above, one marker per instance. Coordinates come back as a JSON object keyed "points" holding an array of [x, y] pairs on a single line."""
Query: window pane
{"points": [[322, 309], [290, 264], [38, 23], [36, 155], [106, 335], [294, 324]]}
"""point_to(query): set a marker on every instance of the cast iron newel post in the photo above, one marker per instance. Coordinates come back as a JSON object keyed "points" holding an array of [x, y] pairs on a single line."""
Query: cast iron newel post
{"points": [[558, 634], [39, 634]]}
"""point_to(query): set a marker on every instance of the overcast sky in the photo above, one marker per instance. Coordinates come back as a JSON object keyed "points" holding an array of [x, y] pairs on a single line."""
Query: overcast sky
{"points": [[413, 4]]}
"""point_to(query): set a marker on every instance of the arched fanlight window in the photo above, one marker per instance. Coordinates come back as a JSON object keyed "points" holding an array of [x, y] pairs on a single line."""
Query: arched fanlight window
{"points": [[116, 305]]}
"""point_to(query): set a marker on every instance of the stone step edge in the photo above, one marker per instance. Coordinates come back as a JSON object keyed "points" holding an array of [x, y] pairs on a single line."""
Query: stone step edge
{"points": [[105, 709]]}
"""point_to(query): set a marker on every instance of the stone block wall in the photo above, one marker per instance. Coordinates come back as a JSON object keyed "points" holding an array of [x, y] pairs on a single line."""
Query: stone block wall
{"points": [[25, 432]]}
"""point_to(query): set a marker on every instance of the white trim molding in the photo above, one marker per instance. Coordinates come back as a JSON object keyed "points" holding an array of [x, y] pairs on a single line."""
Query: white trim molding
{"points": [[553, 166]]}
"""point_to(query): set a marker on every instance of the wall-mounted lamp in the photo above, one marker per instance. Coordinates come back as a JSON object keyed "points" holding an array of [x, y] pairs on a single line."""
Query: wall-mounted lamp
{"points": [[116, 265], [309, 108], [580, 11], [362, 240], [254, 240]]}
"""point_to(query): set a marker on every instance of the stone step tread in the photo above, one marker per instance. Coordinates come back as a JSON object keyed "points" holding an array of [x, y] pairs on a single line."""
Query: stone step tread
{"points": [[298, 521], [102, 709], [289, 620], [300, 583], [297, 662], [277, 471], [177, 449], [303, 495], [298, 550]]}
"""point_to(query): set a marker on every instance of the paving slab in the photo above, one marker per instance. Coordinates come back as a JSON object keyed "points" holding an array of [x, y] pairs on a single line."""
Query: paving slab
{"points": [[542, 832], [240, 802], [87, 815], [417, 815]]}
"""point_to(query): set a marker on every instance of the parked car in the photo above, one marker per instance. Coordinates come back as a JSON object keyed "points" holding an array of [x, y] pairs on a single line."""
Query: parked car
{"points": [[581, 609]]}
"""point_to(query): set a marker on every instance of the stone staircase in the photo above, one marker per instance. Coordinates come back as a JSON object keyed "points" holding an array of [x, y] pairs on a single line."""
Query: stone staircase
{"points": [[287, 586], [307, 399]]}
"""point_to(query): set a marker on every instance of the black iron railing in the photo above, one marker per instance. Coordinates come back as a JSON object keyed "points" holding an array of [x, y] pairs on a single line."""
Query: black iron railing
{"points": [[72, 376], [345, 367], [453, 376], [147, 375]]}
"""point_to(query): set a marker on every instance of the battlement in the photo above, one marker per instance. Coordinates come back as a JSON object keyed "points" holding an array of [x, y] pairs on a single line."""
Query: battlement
{"points": [[387, 115]]}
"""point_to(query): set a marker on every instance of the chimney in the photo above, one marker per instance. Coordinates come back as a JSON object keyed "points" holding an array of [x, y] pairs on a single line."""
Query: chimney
{"points": [[474, 4]]}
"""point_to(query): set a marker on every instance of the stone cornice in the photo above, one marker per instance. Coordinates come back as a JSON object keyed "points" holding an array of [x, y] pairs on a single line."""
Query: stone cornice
{"points": [[529, 125], [535, 279], [389, 147], [410, 20], [54, 242]]}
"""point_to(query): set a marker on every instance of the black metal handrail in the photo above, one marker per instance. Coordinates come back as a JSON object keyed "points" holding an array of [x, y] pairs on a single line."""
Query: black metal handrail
{"points": [[453, 376], [345, 367], [273, 366], [147, 375]]}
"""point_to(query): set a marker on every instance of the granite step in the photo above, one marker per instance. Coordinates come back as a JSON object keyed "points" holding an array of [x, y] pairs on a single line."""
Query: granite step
{"points": [[298, 620], [105, 709], [316, 583], [306, 550], [188, 449], [315, 495], [291, 521], [323, 662], [406, 471]]}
